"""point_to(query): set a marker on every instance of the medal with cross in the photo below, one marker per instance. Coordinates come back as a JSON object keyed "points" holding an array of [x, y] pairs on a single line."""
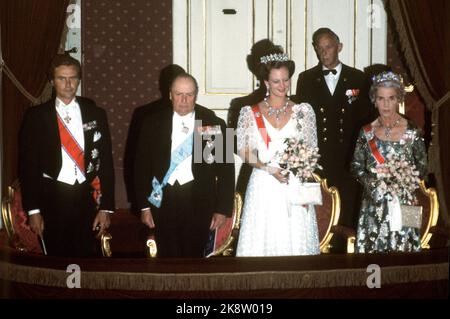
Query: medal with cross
{"points": [[67, 118]]}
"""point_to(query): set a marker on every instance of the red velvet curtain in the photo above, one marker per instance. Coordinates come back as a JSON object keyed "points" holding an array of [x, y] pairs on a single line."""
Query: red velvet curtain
{"points": [[30, 34], [424, 33]]}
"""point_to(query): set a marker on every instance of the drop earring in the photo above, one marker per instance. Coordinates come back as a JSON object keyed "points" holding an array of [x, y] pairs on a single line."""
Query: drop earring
{"points": [[267, 91]]}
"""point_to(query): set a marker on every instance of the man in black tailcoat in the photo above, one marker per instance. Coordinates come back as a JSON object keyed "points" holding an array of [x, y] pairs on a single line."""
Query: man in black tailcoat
{"points": [[66, 167], [184, 177]]}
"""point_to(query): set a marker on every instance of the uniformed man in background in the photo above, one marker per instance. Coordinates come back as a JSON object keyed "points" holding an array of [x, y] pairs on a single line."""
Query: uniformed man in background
{"points": [[339, 95]]}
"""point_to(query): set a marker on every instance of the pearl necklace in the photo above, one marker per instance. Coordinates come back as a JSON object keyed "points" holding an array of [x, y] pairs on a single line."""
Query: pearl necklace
{"points": [[271, 110], [388, 128]]}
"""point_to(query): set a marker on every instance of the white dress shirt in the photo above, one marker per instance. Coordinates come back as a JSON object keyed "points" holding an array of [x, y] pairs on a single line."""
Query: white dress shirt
{"points": [[332, 79], [71, 116], [183, 172]]}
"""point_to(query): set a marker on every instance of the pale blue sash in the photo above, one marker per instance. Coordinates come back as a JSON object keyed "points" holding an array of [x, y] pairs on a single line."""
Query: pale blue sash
{"points": [[177, 157]]}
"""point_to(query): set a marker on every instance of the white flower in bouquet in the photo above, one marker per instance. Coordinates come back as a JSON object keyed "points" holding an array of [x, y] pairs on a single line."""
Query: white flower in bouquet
{"points": [[299, 159]]}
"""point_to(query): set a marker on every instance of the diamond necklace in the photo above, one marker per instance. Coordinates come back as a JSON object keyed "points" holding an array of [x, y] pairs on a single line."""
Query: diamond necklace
{"points": [[271, 110], [388, 128]]}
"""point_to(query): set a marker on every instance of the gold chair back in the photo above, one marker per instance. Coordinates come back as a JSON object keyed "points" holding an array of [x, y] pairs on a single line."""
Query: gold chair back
{"points": [[327, 213]]}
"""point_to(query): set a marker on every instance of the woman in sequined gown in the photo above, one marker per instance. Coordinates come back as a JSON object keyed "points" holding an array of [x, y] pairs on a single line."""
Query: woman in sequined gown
{"points": [[270, 226], [389, 133]]}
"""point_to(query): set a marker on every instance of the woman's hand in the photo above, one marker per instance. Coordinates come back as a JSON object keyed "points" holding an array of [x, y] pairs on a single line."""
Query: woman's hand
{"points": [[281, 175]]}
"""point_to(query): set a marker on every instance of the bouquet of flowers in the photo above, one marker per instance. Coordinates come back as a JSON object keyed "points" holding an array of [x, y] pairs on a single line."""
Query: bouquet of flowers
{"points": [[397, 177], [299, 159]]}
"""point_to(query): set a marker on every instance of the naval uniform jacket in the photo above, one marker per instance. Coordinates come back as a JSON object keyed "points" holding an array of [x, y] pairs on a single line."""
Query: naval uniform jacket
{"points": [[339, 117]]}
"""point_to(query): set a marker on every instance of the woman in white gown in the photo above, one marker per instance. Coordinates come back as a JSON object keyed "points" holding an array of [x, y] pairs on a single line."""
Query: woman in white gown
{"points": [[270, 225]]}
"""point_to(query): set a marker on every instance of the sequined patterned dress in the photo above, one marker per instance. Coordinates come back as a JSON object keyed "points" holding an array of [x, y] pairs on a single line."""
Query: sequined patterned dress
{"points": [[270, 226], [373, 233]]}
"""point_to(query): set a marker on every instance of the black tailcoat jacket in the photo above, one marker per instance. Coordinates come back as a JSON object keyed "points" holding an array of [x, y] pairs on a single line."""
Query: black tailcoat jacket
{"points": [[213, 187]]}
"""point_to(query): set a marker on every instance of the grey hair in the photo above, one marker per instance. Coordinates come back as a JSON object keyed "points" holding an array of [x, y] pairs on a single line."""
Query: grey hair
{"points": [[398, 86]]}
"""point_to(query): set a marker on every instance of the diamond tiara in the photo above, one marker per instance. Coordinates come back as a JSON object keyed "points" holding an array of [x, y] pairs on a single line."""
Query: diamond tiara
{"points": [[387, 76], [274, 57]]}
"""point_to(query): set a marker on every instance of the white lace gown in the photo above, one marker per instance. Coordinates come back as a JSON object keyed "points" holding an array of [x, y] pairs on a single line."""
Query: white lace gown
{"points": [[270, 226]]}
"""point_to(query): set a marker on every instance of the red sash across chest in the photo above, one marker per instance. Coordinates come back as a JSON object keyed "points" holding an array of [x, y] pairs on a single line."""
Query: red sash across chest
{"points": [[260, 123], [373, 146], [76, 153]]}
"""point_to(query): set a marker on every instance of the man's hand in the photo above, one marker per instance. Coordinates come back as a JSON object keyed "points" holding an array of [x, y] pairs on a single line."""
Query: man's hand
{"points": [[147, 218], [36, 223], [101, 220], [218, 220]]}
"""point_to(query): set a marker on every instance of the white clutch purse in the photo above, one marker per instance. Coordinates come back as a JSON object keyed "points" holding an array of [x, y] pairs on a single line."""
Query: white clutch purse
{"points": [[411, 216], [304, 193]]}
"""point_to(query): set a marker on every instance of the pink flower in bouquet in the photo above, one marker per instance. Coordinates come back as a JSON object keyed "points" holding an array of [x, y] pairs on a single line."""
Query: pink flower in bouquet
{"points": [[299, 159], [397, 177]]}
